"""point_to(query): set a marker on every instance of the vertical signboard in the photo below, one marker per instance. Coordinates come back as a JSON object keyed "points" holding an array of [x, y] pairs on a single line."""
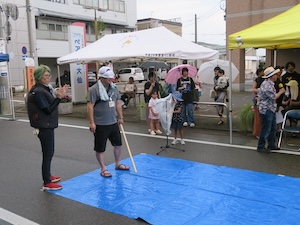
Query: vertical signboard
{"points": [[77, 70], [29, 63], [5, 96]]}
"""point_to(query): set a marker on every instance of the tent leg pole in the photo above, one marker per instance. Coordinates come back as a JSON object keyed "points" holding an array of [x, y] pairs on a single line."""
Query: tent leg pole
{"points": [[58, 75], [230, 96]]}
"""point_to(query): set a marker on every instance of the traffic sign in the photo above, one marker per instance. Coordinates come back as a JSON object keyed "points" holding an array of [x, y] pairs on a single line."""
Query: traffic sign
{"points": [[24, 50]]}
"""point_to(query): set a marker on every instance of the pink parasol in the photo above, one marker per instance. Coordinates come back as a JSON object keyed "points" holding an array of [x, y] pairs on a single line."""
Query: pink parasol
{"points": [[175, 73]]}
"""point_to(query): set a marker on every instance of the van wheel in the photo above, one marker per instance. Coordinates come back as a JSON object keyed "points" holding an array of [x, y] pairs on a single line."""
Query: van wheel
{"points": [[140, 81]]}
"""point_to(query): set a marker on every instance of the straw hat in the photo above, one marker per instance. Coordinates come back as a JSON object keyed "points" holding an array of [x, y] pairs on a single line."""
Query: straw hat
{"points": [[270, 71]]}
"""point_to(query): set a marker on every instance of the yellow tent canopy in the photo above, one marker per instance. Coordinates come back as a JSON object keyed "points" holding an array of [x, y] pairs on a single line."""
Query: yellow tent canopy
{"points": [[279, 32]]}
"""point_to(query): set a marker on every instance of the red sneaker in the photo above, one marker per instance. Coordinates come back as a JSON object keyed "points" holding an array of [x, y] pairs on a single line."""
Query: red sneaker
{"points": [[54, 179], [51, 186]]}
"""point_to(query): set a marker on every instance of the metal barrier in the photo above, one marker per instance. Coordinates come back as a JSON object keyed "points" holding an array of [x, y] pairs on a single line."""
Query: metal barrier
{"points": [[215, 104]]}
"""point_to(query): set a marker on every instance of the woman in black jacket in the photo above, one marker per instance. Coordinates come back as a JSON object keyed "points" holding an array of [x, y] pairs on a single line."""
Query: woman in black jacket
{"points": [[42, 105]]}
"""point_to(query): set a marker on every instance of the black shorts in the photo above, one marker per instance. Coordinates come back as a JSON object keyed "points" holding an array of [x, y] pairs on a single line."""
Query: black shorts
{"points": [[111, 132]]}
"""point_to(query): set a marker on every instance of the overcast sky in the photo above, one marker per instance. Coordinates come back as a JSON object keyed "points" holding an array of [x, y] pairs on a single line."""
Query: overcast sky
{"points": [[211, 24]]}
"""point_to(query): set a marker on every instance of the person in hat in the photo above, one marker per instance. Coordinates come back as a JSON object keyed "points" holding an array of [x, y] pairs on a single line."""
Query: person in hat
{"points": [[177, 118], [103, 105], [291, 100], [267, 107], [42, 105]]}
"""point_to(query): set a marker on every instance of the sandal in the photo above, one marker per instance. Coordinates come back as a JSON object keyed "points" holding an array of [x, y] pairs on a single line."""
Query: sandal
{"points": [[122, 167], [105, 174], [220, 122]]}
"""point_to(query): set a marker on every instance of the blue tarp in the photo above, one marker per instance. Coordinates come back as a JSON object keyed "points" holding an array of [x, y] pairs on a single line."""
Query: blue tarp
{"points": [[4, 57], [173, 191]]}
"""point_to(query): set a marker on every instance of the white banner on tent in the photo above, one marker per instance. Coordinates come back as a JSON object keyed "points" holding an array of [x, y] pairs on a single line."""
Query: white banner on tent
{"points": [[77, 70]]}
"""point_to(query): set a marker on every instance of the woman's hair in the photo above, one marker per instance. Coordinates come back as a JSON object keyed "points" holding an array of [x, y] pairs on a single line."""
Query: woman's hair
{"points": [[290, 63], [258, 71], [217, 68], [39, 71], [184, 69], [153, 92], [151, 74], [221, 71]]}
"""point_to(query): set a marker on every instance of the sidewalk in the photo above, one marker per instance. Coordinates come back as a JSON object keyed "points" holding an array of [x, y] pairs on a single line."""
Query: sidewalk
{"points": [[206, 119]]}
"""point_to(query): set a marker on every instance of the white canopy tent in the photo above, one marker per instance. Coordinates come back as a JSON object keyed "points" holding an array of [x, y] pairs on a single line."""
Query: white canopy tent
{"points": [[156, 43]]}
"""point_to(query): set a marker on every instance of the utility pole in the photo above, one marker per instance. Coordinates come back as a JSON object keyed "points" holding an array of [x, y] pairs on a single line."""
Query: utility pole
{"points": [[29, 24], [1, 27], [196, 34], [96, 37]]}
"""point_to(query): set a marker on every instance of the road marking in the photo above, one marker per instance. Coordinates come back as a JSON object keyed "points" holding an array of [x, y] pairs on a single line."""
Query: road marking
{"points": [[186, 139], [14, 219]]}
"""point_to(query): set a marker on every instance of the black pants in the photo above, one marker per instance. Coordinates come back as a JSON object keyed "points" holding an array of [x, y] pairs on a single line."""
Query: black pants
{"points": [[46, 137], [126, 98]]}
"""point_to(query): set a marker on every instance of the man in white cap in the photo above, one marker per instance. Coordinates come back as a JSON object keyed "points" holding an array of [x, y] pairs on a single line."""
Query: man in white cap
{"points": [[103, 106], [267, 107]]}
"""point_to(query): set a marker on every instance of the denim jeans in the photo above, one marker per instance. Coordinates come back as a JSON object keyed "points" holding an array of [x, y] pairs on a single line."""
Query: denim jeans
{"points": [[268, 130], [46, 137], [188, 113]]}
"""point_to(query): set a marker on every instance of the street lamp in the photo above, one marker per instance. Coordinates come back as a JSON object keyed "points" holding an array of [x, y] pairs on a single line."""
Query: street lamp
{"points": [[96, 28]]}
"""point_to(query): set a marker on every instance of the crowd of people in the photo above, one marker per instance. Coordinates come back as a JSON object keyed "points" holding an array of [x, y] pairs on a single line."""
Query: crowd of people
{"points": [[276, 90]]}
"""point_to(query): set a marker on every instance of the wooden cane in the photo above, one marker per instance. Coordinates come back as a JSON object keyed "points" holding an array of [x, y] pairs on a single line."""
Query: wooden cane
{"points": [[123, 132]]}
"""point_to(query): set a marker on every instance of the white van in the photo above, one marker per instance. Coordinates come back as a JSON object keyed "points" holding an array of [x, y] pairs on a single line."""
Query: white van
{"points": [[136, 73]]}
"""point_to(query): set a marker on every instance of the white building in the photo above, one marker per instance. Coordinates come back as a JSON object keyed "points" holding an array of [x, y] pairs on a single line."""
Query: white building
{"points": [[49, 28]]}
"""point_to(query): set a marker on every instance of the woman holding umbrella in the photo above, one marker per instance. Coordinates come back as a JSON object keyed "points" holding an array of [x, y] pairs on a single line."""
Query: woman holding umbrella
{"points": [[221, 90], [185, 85]]}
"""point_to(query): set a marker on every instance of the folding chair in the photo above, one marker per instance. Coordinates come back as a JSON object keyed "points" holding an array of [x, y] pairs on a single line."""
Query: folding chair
{"points": [[294, 114]]}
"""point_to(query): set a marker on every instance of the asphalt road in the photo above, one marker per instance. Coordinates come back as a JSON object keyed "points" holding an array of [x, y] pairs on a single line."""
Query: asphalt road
{"points": [[20, 165]]}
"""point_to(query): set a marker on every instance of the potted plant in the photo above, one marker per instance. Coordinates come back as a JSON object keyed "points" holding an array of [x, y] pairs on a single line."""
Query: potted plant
{"points": [[247, 118], [66, 105], [141, 110]]}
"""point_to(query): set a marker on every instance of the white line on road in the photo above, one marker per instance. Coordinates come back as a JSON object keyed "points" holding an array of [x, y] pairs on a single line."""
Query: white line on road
{"points": [[186, 139], [14, 219]]}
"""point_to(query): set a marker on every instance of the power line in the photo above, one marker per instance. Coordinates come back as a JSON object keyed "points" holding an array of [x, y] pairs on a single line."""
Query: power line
{"points": [[204, 16]]}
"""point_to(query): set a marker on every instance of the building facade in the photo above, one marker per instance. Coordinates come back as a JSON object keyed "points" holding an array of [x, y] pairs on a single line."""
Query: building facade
{"points": [[44, 36], [244, 14]]}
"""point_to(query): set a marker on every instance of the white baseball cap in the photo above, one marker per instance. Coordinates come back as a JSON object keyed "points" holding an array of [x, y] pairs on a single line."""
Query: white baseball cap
{"points": [[106, 72]]}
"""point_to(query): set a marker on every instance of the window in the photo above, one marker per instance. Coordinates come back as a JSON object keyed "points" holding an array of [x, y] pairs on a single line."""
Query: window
{"points": [[116, 5], [58, 27], [51, 26], [57, 1]]}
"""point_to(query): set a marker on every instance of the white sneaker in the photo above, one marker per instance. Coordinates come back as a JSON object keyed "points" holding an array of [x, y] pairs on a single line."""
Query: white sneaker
{"points": [[192, 125], [124, 107], [175, 142], [185, 124], [149, 130], [152, 132], [158, 132], [182, 142]]}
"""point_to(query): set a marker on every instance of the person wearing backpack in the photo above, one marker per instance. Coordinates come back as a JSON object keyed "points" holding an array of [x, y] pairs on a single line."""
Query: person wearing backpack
{"points": [[185, 86]]}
